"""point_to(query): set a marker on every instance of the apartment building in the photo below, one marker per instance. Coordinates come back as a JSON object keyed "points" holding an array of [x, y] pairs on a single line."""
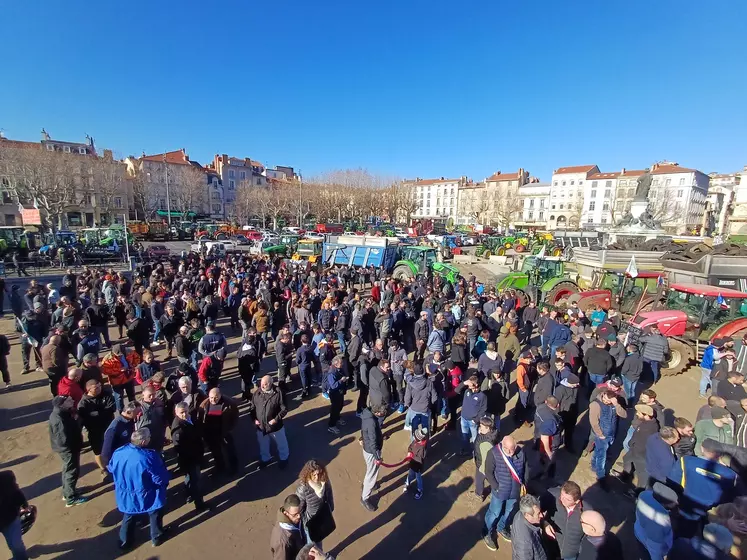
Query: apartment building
{"points": [[473, 204], [502, 192], [437, 198], [534, 198], [567, 196], [678, 197], [599, 200]]}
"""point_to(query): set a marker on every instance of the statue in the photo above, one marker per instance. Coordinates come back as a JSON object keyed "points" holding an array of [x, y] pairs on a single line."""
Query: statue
{"points": [[643, 186]]}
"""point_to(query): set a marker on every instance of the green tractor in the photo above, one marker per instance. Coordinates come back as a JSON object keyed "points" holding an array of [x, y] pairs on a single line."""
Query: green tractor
{"points": [[415, 261], [540, 280]]}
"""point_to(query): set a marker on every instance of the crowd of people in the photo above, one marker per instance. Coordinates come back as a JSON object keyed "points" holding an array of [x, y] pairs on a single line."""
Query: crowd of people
{"points": [[444, 356]]}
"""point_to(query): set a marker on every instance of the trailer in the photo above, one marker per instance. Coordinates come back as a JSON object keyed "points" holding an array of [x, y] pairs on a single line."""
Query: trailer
{"points": [[590, 261], [721, 271], [361, 250]]}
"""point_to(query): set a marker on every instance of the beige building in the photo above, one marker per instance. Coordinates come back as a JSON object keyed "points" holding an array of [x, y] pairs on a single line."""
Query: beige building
{"points": [[502, 192]]}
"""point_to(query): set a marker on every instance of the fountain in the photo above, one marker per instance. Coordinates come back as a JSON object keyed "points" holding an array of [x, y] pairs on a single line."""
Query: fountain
{"points": [[638, 224]]}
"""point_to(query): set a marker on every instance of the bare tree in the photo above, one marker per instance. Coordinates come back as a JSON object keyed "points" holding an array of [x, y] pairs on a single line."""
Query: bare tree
{"points": [[145, 193], [187, 188], [506, 206], [473, 202], [575, 209], [108, 182]]}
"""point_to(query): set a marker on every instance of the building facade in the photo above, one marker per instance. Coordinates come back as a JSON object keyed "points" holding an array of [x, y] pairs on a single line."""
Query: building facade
{"points": [[473, 205], [599, 199], [678, 197], [567, 196], [535, 204], [502, 192], [437, 198], [737, 213]]}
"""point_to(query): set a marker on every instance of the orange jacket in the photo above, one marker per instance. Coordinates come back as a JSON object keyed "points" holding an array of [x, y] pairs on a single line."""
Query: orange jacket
{"points": [[111, 367], [522, 377]]}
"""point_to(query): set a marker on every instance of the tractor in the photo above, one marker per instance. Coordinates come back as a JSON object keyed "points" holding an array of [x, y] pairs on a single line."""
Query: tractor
{"points": [[540, 279], [691, 316], [418, 261], [309, 250], [616, 288]]}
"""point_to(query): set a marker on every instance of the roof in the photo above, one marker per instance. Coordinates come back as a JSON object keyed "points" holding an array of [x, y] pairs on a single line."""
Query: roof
{"points": [[633, 172], [424, 182], [498, 176], [176, 157], [604, 175], [19, 143], [662, 169], [706, 290], [574, 169]]}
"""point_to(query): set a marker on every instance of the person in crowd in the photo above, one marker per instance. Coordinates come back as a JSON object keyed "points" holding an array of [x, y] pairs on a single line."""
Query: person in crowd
{"points": [[420, 396], [317, 502], [487, 438], [54, 359], [719, 427], [523, 382], [287, 539], [505, 467], [715, 544], [732, 390], [12, 505], [187, 437], [140, 483], [644, 425], [598, 543], [96, 411], [603, 414], [305, 360], [686, 443], [119, 367], [67, 441], [544, 386], [334, 385], [416, 453], [655, 351], [630, 372], [267, 410], [726, 364], [495, 387], [526, 531], [91, 370], [567, 395], [474, 407], [120, 429], [153, 417], [653, 521], [548, 435], [69, 386], [562, 507], [379, 387], [372, 441], [598, 363], [251, 352], [397, 359], [660, 454], [219, 415]]}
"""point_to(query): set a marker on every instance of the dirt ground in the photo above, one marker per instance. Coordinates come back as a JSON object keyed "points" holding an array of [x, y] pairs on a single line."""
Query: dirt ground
{"points": [[445, 524]]}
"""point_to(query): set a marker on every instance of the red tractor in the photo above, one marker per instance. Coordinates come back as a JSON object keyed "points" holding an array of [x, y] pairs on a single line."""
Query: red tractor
{"points": [[620, 290], [691, 316]]}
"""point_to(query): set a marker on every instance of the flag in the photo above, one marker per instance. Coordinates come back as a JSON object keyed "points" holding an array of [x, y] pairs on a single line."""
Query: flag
{"points": [[720, 300], [541, 253], [660, 281], [632, 269]]}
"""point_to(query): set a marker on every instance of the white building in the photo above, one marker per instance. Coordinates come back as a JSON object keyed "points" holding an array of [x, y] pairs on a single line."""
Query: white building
{"points": [[567, 196], [598, 200], [678, 197], [737, 224], [437, 198], [535, 201]]}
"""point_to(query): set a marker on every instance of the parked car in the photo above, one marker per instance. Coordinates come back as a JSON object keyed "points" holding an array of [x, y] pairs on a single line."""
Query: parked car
{"points": [[313, 236], [158, 252]]}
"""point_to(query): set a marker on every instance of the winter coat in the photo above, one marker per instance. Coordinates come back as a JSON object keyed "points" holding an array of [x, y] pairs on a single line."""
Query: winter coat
{"points": [[707, 429], [483, 445], [489, 361], [113, 369], [286, 539], [140, 479], [598, 361], [655, 347], [543, 388], [70, 388], [373, 439], [498, 394], [436, 341], [508, 347], [526, 540], [266, 406], [639, 439], [420, 394], [187, 438], [567, 397], [567, 526], [54, 360], [659, 458], [116, 435], [474, 405], [261, 321], [499, 476], [397, 359], [96, 413], [64, 431], [421, 330], [379, 392], [153, 419], [229, 414], [632, 367], [311, 503]]}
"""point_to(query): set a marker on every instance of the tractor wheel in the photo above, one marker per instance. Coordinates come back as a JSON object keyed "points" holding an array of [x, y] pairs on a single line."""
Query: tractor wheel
{"points": [[501, 251], [221, 237], [557, 251], [573, 299], [523, 298], [487, 254], [402, 272], [681, 356], [520, 248], [561, 291], [507, 244]]}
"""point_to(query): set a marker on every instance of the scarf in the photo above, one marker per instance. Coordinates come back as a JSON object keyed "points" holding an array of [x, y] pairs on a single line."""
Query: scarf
{"points": [[317, 488]]}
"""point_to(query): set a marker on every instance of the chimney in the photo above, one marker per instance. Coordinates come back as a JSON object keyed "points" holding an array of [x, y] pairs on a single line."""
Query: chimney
{"points": [[442, 178], [623, 171], [2, 135]]}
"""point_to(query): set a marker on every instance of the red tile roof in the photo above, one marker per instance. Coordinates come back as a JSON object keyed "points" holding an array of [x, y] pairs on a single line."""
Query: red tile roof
{"points": [[503, 177], [604, 175], [425, 182], [19, 143], [575, 169], [176, 157], [662, 169], [633, 172]]}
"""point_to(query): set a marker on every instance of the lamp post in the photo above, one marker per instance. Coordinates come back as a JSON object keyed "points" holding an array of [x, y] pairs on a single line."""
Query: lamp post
{"points": [[168, 197], [300, 198]]}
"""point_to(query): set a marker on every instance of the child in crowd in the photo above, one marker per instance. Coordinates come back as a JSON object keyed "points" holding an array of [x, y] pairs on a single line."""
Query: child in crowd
{"points": [[416, 454]]}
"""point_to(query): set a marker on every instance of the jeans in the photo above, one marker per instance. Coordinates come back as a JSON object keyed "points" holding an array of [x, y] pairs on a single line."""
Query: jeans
{"points": [[157, 333], [412, 475], [280, 441], [599, 456], [304, 372], [118, 392], [372, 473], [103, 332], [705, 381], [70, 473], [138, 311], [341, 340], [628, 437], [417, 419], [594, 380], [336, 402], [653, 367], [192, 483], [469, 432], [629, 388], [14, 539], [128, 527], [501, 511]]}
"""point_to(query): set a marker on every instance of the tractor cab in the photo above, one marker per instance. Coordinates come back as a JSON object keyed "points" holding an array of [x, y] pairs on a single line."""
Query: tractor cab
{"points": [[706, 307], [309, 249], [540, 270], [422, 257]]}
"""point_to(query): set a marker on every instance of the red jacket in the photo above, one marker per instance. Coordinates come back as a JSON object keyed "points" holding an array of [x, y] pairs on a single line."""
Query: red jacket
{"points": [[69, 388], [455, 378], [376, 293]]}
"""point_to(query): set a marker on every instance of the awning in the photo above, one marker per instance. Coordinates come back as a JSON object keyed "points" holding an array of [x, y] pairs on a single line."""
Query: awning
{"points": [[164, 214]]}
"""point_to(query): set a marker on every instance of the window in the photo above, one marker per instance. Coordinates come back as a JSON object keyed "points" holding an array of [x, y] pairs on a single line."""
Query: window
{"points": [[7, 198], [87, 199], [592, 205], [452, 191], [216, 208], [561, 206], [606, 206], [162, 204], [562, 194], [231, 173], [231, 184], [604, 220], [215, 181], [608, 184], [438, 202], [452, 201], [541, 215], [553, 207], [682, 181], [542, 202], [563, 183], [668, 182], [680, 193], [259, 181], [117, 202], [593, 193], [10, 219], [573, 183], [242, 175], [66, 149], [570, 194], [580, 183], [429, 195], [531, 203], [555, 184], [619, 205], [82, 151], [590, 220], [510, 183], [50, 147], [530, 216], [594, 184], [607, 193]]}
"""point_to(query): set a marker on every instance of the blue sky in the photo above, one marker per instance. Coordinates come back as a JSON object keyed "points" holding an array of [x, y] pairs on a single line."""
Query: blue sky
{"points": [[403, 87]]}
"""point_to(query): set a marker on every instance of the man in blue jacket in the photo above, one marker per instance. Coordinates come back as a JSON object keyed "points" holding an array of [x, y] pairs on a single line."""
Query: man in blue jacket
{"points": [[504, 469], [140, 483]]}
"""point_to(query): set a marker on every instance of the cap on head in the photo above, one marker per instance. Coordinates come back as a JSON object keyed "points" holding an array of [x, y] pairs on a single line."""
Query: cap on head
{"points": [[718, 413], [644, 409], [38, 305]]}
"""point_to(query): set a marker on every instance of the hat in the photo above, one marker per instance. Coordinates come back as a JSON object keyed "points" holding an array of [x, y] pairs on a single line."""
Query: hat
{"points": [[504, 329], [718, 412], [421, 433], [664, 494], [615, 382], [612, 337], [718, 342], [572, 379], [38, 305], [117, 349], [719, 536], [210, 323], [644, 409]]}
